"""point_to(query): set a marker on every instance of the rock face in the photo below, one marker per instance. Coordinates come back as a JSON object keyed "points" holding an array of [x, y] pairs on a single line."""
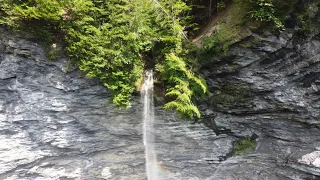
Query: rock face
{"points": [[56, 124], [268, 88]]}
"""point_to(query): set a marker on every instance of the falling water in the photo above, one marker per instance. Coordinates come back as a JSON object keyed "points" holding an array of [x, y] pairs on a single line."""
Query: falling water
{"points": [[148, 129]]}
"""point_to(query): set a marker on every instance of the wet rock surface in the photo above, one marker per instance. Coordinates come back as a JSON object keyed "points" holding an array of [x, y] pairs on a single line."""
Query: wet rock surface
{"points": [[57, 124], [267, 86]]}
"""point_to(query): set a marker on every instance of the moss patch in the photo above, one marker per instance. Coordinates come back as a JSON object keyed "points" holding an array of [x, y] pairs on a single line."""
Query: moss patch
{"points": [[231, 95], [52, 52], [307, 17], [220, 42], [243, 146], [225, 30], [231, 18]]}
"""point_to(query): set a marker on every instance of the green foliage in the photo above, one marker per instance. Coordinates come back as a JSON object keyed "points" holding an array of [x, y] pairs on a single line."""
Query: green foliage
{"points": [[109, 39], [228, 29], [276, 12], [14, 11], [221, 6], [182, 85], [109, 43], [244, 145], [219, 42], [263, 11], [306, 16], [52, 53], [39, 9]]}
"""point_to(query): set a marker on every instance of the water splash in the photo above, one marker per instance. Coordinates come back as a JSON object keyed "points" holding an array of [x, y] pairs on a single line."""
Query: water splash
{"points": [[148, 129]]}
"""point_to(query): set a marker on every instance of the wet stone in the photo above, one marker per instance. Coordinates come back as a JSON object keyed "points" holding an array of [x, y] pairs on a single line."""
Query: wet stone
{"points": [[57, 124]]}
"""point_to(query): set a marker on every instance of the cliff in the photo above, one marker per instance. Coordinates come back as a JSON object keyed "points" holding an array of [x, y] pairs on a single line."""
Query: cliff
{"points": [[266, 88], [264, 109]]}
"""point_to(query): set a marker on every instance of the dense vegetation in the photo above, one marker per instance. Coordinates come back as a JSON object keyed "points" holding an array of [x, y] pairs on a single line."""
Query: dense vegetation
{"points": [[112, 41], [275, 13], [232, 23]]}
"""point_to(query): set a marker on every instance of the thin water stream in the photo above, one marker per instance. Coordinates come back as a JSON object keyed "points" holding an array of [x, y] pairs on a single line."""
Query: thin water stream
{"points": [[56, 124], [148, 129]]}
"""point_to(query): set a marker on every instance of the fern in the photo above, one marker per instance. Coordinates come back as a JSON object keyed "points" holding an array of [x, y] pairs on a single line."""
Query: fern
{"points": [[182, 85], [109, 40], [186, 110]]}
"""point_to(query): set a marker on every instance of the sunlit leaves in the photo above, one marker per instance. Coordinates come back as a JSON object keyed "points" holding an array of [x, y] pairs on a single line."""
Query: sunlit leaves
{"points": [[182, 85], [111, 39]]}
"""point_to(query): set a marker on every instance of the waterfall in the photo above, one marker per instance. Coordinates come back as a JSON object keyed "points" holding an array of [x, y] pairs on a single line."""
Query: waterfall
{"points": [[148, 129]]}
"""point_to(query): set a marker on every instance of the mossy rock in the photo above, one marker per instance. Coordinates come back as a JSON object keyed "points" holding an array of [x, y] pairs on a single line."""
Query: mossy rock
{"points": [[244, 45], [53, 51], [231, 95], [244, 145]]}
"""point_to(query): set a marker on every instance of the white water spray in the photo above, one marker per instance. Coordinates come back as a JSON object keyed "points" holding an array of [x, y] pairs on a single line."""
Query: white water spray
{"points": [[148, 129]]}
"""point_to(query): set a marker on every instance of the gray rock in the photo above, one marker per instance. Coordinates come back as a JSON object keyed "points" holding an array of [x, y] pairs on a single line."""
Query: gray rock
{"points": [[282, 75], [57, 124]]}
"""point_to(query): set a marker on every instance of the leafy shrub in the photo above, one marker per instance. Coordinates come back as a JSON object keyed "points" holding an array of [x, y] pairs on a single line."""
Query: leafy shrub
{"points": [[110, 39], [182, 85], [262, 11]]}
